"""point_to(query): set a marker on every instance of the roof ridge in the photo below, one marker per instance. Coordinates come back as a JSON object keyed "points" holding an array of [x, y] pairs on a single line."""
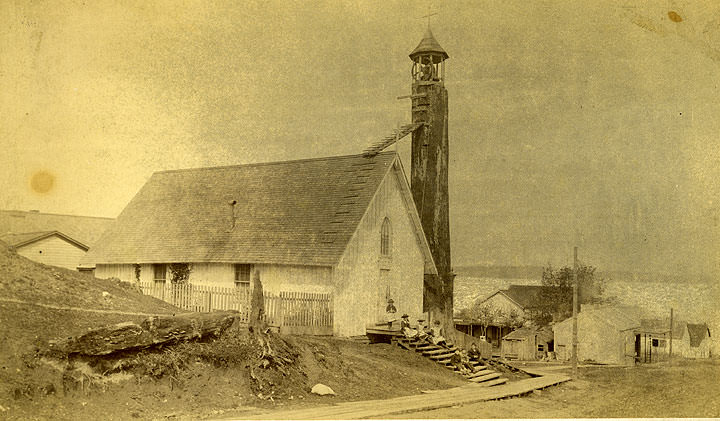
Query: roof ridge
{"points": [[29, 232], [55, 214], [258, 164]]}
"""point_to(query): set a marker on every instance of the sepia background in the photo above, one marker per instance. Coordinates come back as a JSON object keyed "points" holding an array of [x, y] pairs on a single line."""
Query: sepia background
{"points": [[571, 123]]}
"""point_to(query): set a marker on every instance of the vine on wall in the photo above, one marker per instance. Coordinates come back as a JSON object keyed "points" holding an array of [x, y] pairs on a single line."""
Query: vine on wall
{"points": [[180, 273]]}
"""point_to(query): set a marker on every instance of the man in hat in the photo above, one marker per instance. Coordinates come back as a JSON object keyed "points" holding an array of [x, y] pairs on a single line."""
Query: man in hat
{"points": [[474, 353]]}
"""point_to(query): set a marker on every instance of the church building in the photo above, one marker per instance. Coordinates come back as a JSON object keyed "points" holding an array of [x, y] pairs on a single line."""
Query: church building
{"points": [[351, 226]]}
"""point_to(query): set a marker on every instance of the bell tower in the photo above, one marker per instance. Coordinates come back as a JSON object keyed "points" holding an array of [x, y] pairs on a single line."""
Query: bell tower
{"points": [[429, 171]]}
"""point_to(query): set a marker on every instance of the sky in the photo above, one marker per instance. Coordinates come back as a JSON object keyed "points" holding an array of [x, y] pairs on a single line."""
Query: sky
{"points": [[589, 124]]}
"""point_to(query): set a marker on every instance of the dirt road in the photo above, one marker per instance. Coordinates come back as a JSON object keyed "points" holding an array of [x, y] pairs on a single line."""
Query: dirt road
{"points": [[684, 389]]}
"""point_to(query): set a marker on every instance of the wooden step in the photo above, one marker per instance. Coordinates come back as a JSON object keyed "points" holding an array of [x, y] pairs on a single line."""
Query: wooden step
{"points": [[427, 346], [495, 382], [438, 351], [445, 355], [479, 373], [485, 378], [445, 361]]}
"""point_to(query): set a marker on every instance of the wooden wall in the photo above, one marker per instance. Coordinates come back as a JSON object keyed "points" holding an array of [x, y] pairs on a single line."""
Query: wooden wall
{"points": [[597, 340], [275, 278], [53, 251], [359, 297]]}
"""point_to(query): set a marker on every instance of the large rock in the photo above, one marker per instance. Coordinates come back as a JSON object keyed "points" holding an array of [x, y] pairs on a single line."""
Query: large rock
{"points": [[322, 390]]}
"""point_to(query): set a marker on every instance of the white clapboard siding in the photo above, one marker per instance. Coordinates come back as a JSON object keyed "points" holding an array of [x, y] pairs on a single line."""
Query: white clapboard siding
{"points": [[54, 251]]}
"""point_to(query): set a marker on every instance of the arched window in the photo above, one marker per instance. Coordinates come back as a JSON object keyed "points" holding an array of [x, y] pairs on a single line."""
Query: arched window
{"points": [[385, 240]]}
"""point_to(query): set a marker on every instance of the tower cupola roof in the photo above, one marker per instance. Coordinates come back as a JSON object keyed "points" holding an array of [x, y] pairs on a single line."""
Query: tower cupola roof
{"points": [[428, 45]]}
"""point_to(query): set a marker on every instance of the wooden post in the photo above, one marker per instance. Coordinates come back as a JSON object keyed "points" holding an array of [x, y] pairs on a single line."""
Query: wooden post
{"points": [[671, 334], [575, 312]]}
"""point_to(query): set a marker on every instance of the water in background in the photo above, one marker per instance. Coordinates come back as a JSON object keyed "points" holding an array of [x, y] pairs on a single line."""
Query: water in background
{"points": [[692, 302]]}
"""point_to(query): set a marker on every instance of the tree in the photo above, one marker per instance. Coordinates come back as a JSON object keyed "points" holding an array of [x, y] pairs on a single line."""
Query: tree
{"points": [[514, 320], [485, 314], [556, 294]]}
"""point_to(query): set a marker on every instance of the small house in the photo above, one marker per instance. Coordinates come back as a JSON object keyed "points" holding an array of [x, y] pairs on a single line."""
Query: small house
{"points": [[345, 225], [528, 343], [517, 299], [606, 335], [51, 239], [689, 340]]}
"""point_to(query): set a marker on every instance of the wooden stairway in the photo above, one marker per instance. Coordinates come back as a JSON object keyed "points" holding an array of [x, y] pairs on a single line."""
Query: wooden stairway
{"points": [[484, 374]]}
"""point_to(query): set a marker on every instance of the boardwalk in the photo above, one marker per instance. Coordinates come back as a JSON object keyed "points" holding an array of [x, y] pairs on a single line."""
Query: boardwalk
{"points": [[431, 400]]}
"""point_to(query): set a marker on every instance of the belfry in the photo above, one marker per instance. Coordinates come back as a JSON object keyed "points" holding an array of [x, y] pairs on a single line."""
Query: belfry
{"points": [[429, 170]]}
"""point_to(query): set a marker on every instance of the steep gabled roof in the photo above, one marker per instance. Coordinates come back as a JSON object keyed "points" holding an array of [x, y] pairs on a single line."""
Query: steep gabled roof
{"points": [[84, 229], [697, 333], [295, 212], [19, 240], [528, 296]]}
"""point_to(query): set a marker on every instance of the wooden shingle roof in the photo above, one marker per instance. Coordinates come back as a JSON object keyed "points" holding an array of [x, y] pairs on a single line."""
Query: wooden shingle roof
{"points": [[295, 212], [84, 229], [19, 240]]}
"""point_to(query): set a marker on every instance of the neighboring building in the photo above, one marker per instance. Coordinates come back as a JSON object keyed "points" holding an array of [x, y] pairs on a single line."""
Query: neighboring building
{"points": [[528, 343], [606, 335], [52, 239], [345, 225], [689, 340], [47, 247], [520, 299]]}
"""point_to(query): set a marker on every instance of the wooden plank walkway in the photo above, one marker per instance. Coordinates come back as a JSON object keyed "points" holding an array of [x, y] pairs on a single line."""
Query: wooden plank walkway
{"points": [[462, 395]]}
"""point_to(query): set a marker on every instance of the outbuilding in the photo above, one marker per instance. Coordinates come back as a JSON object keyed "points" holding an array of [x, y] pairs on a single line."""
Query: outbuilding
{"points": [[528, 343], [606, 335]]}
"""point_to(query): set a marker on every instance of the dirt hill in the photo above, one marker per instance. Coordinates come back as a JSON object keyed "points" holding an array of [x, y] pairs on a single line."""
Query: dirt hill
{"points": [[185, 380], [39, 302]]}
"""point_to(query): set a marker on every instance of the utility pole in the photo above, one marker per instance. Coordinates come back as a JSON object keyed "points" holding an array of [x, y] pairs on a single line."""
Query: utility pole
{"points": [[671, 333], [575, 312]]}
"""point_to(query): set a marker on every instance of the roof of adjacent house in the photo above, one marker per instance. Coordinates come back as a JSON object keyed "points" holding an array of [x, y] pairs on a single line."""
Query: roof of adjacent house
{"points": [[294, 212], [19, 240], [697, 333], [544, 334], [621, 318], [662, 326], [83, 229], [525, 296]]}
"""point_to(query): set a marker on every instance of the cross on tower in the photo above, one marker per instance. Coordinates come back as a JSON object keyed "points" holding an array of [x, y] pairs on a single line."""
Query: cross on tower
{"points": [[429, 14]]}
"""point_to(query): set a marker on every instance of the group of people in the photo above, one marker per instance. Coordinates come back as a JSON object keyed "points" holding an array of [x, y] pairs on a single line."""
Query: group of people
{"points": [[433, 335], [462, 359]]}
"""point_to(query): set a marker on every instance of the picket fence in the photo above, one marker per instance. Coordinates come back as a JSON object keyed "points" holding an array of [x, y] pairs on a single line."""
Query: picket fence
{"points": [[291, 311]]}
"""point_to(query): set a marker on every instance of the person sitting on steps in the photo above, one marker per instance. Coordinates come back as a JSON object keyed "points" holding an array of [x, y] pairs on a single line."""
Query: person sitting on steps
{"points": [[408, 331], [466, 361], [436, 335], [474, 352], [457, 361]]}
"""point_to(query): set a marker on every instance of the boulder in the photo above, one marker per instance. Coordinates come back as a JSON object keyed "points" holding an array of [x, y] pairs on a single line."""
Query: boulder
{"points": [[322, 390]]}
